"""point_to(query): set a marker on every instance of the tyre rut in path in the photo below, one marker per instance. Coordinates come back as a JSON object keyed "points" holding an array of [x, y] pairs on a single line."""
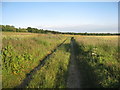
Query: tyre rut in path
{"points": [[73, 80], [28, 78]]}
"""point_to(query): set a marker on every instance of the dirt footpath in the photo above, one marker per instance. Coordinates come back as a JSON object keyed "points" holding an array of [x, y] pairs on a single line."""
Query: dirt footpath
{"points": [[73, 80]]}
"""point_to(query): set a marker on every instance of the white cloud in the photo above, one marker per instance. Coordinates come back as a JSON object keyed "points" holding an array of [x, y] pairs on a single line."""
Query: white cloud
{"points": [[81, 28]]}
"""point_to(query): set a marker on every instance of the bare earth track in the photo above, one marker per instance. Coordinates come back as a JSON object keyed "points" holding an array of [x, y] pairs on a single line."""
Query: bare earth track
{"points": [[73, 80]]}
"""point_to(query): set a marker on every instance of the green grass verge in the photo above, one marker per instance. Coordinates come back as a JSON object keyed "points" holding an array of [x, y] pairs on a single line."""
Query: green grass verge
{"points": [[54, 73], [21, 52]]}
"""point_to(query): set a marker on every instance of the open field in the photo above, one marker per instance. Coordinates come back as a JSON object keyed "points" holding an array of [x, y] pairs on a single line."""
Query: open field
{"points": [[31, 60], [21, 52], [59, 45]]}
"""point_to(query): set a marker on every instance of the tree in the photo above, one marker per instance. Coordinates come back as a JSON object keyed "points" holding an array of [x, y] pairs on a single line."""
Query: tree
{"points": [[29, 29]]}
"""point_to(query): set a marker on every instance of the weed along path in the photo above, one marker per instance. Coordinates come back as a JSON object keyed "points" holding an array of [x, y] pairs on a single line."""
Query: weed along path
{"points": [[28, 78], [73, 80]]}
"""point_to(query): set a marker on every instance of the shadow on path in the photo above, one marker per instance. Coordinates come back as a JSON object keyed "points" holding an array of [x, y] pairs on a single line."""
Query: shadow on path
{"points": [[73, 80], [87, 75]]}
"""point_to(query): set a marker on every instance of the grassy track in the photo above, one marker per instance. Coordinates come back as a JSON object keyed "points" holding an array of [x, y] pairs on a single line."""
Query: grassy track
{"points": [[54, 72], [21, 52]]}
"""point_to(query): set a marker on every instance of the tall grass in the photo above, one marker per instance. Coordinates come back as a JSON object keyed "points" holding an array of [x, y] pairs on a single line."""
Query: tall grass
{"points": [[21, 52], [54, 72], [99, 57]]}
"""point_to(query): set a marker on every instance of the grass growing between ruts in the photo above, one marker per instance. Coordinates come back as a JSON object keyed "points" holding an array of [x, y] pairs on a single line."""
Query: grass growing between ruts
{"points": [[54, 73], [21, 52]]}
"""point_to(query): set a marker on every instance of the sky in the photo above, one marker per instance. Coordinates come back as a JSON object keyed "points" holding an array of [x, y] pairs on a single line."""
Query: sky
{"points": [[62, 16]]}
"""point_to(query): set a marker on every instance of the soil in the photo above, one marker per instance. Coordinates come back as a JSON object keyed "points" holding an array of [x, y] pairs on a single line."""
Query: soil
{"points": [[73, 80]]}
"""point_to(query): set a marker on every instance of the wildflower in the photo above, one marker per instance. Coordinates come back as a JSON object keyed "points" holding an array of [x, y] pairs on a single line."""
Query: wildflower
{"points": [[94, 54]]}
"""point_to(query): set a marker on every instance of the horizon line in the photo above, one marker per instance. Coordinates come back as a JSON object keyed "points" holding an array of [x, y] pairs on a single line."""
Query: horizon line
{"points": [[62, 31]]}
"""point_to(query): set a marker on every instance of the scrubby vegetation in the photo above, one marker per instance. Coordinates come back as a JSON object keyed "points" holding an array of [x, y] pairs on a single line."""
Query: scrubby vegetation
{"points": [[98, 61], [22, 52]]}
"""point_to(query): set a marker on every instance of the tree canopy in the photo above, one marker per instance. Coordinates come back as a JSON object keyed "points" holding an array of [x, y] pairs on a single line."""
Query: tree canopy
{"points": [[8, 28]]}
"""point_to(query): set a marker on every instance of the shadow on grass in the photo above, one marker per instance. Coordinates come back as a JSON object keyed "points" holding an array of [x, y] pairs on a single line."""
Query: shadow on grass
{"points": [[87, 75]]}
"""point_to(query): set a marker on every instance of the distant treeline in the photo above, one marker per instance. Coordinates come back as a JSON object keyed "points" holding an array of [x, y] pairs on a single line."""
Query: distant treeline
{"points": [[8, 28]]}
